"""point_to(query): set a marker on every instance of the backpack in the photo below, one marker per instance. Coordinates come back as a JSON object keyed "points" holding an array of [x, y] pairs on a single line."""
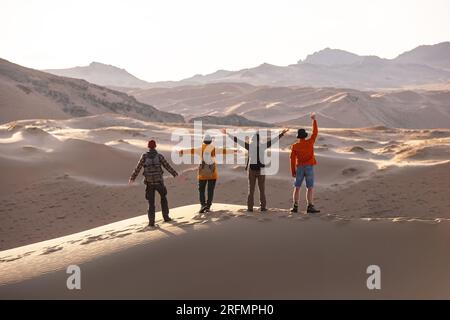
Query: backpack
{"points": [[152, 165], [206, 170]]}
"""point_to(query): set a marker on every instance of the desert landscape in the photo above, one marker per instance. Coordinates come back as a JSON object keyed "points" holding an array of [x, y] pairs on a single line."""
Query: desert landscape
{"points": [[69, 140], [65, 200]]}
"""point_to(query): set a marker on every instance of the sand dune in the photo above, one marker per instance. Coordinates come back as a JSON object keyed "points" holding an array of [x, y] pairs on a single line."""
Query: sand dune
{"points": [[64, 176], [336, 108], [65, 199], [244, 253]]}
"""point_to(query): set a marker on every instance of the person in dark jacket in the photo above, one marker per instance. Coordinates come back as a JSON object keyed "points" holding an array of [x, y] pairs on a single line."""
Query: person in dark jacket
{"points": [[152, 162], [255, 162]]}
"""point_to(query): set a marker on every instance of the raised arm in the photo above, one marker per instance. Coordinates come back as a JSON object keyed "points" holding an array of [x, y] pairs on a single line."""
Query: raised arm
{"points": [[235, 139], [138, 168], [167, 166], [315, 129], [270, 142]]}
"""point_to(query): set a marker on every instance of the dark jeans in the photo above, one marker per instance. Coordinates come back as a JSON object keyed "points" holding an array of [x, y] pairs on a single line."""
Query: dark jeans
{"points": [[201, 189], [150, 196]]}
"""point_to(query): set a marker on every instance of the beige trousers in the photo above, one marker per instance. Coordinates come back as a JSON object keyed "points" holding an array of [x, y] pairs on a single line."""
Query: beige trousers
{"points": [[253, 176]]}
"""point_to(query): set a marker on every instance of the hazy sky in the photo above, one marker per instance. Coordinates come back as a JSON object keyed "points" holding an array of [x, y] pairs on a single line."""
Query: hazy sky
{"points": [[173, 39]]}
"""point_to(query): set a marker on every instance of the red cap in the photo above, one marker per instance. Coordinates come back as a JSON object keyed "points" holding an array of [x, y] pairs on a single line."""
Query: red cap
{"points": [[152, 144]]}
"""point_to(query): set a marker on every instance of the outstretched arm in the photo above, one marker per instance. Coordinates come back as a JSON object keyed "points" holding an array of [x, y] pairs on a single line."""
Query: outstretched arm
{"points": [[270, 142], [167, 166], [187, 151], [138, 168], [235, 139], [225, 151]]}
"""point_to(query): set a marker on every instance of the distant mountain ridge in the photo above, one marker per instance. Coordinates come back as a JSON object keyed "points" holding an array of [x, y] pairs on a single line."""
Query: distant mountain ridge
{"points": [[437, 56], [330, 57], [422, 66], [31, 94], [339, 68], [102, 74]]}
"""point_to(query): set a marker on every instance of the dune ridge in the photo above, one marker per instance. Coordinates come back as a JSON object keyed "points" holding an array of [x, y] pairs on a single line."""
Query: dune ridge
{"points": [[140, 259]]}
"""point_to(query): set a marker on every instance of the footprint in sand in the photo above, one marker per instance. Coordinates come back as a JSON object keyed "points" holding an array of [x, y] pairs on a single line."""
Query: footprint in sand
{"points": [[342, 221], [74, 241], [289, 216], [371, 219], [427, 221], [302, 218], [9, 259], [144, 229], [122, 235], [246, 216], [185, 224], [223, 218], [49, 250], [94, 239], [399, 220]]}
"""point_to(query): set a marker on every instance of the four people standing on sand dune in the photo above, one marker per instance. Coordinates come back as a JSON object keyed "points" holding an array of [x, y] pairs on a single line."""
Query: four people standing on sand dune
{"points": [[302, 162]]}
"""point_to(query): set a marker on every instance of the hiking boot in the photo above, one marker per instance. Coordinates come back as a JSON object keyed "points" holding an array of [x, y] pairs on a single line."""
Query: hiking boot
{"points": [[249, 209], [168, 220], [203, 209], [311, 209], [263, 209], [151, 225], [294, 208], [208, 208]]}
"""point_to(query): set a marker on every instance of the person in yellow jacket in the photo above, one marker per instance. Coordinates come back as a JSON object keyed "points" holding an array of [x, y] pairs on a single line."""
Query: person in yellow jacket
{"points": [[207, 170]]}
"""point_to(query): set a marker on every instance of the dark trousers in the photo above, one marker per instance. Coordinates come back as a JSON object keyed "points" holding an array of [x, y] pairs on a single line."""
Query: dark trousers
{"points": [[201, 190], [253, 177], [150, 196]]}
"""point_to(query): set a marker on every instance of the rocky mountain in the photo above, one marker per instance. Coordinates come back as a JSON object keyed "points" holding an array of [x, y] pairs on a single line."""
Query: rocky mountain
{"points": [[437, 56], [332, 57], [102, 74], [337, 68], [27, 93], [291, 105], [422, 67]]}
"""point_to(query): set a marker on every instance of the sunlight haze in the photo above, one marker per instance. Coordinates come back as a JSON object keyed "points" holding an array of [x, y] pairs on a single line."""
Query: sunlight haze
{"points": [[171, 40]]}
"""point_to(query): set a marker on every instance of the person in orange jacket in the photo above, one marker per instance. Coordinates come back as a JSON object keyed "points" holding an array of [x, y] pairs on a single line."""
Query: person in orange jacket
{"points": [[207, 170], [302, 166]]}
